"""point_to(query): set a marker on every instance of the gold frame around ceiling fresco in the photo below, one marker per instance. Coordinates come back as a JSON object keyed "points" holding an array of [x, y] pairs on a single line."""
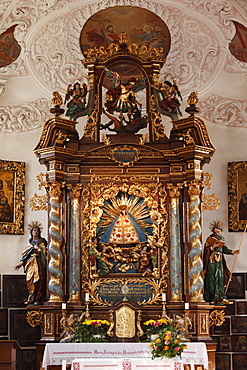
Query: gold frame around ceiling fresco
{"points": [[12, 197]]}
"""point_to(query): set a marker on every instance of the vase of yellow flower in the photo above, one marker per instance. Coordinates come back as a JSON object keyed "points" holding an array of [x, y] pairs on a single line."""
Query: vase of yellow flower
{"points": [[164, 339], [90, 331]]}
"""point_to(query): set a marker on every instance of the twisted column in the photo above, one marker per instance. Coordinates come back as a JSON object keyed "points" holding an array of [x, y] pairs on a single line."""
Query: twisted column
{"points": [[74, 245], [176, 285], [195, 253], [56, 239]]}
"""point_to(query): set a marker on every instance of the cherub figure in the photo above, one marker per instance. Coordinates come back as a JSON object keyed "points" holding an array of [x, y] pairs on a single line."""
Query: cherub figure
{"points": [[182, 324], [68, 325], [77, 98]]}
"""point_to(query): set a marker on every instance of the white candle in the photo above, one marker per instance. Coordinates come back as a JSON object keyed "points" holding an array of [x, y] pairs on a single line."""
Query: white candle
{"points": [[187, 306], [87, 297], [164, 297], [63, 364], [63, 306]]}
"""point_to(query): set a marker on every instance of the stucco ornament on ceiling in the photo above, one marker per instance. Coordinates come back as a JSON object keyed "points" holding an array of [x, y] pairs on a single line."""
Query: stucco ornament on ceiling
{"points": [[49, 35]]}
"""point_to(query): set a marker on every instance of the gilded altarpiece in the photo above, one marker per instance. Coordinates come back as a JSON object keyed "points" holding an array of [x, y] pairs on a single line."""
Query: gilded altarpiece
{"points": [[125, 205]]}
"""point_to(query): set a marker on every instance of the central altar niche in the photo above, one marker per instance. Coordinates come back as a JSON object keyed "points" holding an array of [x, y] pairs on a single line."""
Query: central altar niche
{"points": [[125, 253]]}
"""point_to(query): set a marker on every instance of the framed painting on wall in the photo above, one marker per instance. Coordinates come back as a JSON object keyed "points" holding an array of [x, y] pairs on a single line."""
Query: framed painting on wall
{"points": [[239, 361], [14, 290], [239, 343], [3, 321], [236, 289], [223, 329], [12, 197], [223, 361], [241, 307], [237, 195], [224, 344], [239, 324]]}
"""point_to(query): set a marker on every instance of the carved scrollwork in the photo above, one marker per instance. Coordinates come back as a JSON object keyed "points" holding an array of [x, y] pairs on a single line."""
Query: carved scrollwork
{"points": [[217, 318], [35, 318]]}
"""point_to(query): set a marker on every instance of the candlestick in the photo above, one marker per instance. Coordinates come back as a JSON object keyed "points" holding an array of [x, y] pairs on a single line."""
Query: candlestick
{"points": [[63, 364]]}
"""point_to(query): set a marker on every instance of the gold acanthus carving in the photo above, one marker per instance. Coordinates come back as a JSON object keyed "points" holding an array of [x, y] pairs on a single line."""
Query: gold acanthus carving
{"points": [[210, 202], [90, 130], [158, 128], [35, 318], [75, 190], [217, 317], [143, 52], [174, 190], [38, 202], [194, 188]]}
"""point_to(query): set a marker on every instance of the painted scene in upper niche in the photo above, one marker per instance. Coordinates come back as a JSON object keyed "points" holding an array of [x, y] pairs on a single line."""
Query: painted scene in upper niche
{"points": [[142, 27]]}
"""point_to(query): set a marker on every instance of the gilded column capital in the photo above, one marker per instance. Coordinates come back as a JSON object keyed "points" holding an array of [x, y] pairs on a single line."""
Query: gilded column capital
{"points": [[194, 188], [55, 188], [74, 190], [174, 190]]}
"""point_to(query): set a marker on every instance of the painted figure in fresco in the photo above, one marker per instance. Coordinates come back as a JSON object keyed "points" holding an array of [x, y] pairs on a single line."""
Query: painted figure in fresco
{"points": [[77, 98], [216, 273], [34, 263], [169, 93]]}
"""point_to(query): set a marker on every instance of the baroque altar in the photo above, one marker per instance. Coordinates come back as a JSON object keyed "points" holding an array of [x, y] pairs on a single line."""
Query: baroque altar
{"points": [[125, 199]]}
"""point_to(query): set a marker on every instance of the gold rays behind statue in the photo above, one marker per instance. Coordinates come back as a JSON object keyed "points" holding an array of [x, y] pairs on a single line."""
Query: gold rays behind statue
{"points": [[123, 204]]}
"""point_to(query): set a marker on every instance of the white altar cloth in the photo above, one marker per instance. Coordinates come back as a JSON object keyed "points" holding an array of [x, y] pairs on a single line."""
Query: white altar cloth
{"points": [[55, 353], [127, 364]]}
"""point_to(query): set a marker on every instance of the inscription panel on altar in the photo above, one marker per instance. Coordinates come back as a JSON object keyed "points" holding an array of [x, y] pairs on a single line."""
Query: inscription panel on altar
{"points": [[133, 292]]}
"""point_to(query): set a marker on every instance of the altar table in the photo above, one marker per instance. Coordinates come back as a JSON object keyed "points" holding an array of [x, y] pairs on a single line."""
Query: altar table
{"points": [[55, 353]]}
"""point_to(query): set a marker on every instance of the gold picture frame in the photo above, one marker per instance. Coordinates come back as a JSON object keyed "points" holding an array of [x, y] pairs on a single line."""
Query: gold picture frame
{"points": [[237, 195], [12, 197]]}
